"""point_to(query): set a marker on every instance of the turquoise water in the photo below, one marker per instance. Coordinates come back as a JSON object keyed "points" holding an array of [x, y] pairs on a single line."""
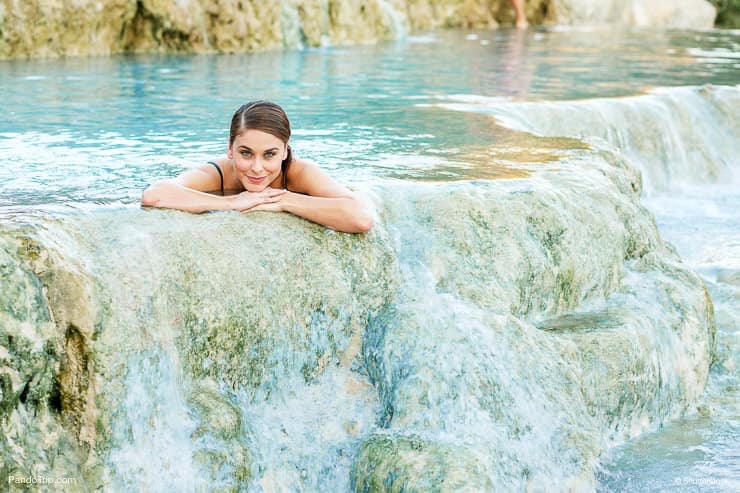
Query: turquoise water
{"points": [[97, 130], [432, 109]]}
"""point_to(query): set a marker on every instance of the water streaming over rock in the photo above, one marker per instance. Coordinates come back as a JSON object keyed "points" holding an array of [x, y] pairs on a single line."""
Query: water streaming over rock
{"points": [[507, 321], [683, 140], [674, 136]]}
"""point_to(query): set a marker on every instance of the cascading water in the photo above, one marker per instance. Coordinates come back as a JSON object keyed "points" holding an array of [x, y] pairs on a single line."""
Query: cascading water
{"points": [[514, 317], [676, 136], [683, 140]]}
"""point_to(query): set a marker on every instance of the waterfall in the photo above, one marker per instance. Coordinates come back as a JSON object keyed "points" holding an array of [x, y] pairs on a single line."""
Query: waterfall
{"points": [[397, 21], [675, 136]]}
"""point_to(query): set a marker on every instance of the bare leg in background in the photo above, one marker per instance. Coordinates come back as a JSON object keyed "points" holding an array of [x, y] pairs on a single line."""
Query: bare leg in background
{"points": [[521, 19]]}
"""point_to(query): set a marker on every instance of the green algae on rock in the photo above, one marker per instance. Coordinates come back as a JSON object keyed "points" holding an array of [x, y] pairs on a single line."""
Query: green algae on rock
{"points": [[398, 463], [38, 420]]}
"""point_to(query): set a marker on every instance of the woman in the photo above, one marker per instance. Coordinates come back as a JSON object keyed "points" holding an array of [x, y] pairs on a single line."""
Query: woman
{"points": [[263, 175]]}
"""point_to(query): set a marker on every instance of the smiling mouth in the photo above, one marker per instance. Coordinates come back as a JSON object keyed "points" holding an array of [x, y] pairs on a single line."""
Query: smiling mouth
{"points": [[253, 179]]}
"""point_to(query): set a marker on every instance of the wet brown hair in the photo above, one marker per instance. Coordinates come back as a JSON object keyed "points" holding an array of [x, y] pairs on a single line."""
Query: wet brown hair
{"points": [[265, 116]]}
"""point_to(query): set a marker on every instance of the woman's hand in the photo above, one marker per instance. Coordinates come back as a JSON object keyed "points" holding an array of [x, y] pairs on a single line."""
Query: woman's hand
{"points": [[252, 201], [275, 204], [348, 214]]}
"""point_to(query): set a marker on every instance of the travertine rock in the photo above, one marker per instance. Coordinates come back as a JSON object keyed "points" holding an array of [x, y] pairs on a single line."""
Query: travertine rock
{"points": [[696, 14], [50, 28]]}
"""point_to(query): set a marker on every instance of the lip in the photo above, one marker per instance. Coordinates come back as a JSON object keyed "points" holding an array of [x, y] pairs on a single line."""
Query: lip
{"points": [[253, 179]]}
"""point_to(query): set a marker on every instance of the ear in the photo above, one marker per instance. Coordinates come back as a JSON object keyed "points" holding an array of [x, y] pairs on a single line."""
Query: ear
{"points": [[229, 153], [285, 152]]}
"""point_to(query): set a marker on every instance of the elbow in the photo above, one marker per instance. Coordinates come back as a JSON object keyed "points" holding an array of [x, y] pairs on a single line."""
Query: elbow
{"points": [[363, 224], [150, 197], [362, 215]]}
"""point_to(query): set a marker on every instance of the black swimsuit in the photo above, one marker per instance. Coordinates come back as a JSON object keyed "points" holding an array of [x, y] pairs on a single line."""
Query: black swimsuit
{"points": [[219, 174], [283, 170]]}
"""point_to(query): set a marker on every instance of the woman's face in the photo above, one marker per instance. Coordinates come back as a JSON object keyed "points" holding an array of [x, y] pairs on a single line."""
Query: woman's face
{"points": [[257, 157]]}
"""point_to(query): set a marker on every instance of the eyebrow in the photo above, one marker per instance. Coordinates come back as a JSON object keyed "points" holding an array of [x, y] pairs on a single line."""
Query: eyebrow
{"points": [[266, 150]]}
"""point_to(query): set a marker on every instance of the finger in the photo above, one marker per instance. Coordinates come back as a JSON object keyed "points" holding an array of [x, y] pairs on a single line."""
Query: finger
{"points": [[258, 206], [272, 192]]}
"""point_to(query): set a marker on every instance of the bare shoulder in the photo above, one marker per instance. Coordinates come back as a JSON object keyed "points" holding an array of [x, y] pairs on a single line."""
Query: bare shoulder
{"points": [[204, 177], [305, 176]]}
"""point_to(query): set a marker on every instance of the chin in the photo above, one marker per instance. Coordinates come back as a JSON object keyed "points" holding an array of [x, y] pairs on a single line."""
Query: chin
{"points": [[255, 187]]}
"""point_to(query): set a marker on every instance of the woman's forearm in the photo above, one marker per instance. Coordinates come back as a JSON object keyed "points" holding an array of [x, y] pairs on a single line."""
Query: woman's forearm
{"points": [[347, 214], [173, 196]]}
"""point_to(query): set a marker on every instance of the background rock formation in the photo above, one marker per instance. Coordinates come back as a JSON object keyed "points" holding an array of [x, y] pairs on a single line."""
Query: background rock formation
{"points": [[680, 14], [728, 13], [51, 28]]}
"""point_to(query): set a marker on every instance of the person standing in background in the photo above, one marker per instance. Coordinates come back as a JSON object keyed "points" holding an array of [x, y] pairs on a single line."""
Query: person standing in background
{"points": [[521, 19]]}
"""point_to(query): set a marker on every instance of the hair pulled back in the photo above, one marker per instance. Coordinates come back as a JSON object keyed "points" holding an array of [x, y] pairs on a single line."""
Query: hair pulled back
{"points": [[265, 116]]}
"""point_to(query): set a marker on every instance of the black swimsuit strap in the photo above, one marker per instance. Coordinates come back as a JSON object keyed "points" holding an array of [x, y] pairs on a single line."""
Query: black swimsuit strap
{"points": [[219, 174], [285, 176]]}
